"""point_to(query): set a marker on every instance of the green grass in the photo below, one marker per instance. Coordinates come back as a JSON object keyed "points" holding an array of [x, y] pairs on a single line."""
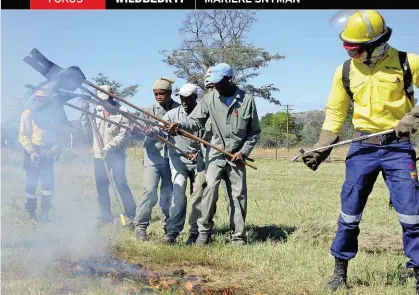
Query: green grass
{"points": [[292, 218]]}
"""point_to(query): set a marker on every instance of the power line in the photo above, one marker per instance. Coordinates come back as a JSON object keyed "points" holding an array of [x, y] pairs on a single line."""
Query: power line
{"points": [[309, 105]]}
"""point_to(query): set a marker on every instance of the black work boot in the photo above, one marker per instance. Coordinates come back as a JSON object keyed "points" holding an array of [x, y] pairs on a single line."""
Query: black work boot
{"points": [[339, 276], [416, 270], [31, 204], [238, 242], [191, 239], [203, 239], [45, 207], [130, 226], [141, 234], [170, 239]]}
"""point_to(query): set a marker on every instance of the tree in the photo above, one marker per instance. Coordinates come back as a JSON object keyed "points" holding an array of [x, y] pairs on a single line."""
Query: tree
{"points": [[279, 120], [214, 36], [348, 127], [116, 87], [310, 123], [266, 121]]}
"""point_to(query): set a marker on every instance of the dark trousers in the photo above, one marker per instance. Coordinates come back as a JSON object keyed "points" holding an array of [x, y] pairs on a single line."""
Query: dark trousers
{"points": [[43, 174], [397, 163], [116, 165]]}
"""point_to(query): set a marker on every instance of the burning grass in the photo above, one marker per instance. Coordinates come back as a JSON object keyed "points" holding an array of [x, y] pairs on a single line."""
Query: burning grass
{"points": [[122, 273]]}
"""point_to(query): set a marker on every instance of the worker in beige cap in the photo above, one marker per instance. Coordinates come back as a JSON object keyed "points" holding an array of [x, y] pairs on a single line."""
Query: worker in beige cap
{"points": [[156, 163], [113, 153], [183, 169]]}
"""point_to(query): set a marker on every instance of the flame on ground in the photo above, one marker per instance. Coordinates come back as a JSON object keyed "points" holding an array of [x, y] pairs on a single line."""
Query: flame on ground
{"points": [[123, 272]]}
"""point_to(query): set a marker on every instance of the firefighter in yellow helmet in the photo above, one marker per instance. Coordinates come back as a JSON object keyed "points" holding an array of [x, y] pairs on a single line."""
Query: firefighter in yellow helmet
{"points": [[38, 134], [379, 80]]}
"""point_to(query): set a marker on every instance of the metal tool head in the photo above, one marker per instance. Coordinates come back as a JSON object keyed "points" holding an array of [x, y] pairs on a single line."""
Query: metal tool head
{"points": [[41, 64], [67, 79], [302, 152]]}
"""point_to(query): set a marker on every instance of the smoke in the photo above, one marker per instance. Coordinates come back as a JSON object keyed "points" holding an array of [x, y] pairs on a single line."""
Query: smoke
{"points": [[30, 251], [33, 250]]}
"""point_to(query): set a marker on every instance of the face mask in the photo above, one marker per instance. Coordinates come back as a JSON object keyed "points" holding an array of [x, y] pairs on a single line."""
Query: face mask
{"points": [[354, 51], [360, 53]]}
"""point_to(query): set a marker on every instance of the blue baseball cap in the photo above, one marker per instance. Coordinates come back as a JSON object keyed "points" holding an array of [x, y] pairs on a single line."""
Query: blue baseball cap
{"points": [[218, 72]]}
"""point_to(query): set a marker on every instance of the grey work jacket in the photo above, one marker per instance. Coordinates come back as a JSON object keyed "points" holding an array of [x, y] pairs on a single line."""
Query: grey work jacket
{"points": [[186, 144], [234, 128], [112, 136], [155, 152]]}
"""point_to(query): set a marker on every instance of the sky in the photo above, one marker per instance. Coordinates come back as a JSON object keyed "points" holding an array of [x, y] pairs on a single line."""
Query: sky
{"points": [[125, 45]]}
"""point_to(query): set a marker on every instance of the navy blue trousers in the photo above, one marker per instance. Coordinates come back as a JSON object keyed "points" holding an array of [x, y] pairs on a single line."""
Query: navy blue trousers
{"points": [[116, 164], [397, 163]]}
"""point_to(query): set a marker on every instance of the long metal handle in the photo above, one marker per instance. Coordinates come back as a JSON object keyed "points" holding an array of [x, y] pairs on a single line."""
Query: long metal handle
{"points": [[105, 104], [185, 133], [131, 117], [158, 137], [361, 138]]}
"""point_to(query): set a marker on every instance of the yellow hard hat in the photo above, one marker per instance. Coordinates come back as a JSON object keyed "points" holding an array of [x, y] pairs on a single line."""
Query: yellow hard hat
{"points": [[364, 26]]}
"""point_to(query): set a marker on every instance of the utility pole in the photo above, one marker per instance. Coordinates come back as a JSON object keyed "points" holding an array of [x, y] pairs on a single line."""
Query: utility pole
{"points": [[288, 106]]}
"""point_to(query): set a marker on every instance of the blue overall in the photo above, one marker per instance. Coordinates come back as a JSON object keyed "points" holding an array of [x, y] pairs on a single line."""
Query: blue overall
{"points": [[397, 162]]}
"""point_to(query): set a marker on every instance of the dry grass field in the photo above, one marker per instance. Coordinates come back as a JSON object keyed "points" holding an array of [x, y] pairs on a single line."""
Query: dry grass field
{"points": [[292, 218]]}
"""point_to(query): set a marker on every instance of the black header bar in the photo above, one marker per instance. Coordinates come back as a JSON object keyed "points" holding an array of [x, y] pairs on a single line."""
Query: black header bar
{"points": [[228, 4], [14, 4]]}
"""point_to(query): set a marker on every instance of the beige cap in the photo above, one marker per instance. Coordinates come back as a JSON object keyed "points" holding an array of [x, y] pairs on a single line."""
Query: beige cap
{"points": [[163, 83]]}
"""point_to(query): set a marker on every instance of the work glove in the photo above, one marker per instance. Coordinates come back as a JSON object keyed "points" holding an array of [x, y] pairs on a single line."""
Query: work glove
{"points": [[314, 159], [409, 123], [35, 158]]}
